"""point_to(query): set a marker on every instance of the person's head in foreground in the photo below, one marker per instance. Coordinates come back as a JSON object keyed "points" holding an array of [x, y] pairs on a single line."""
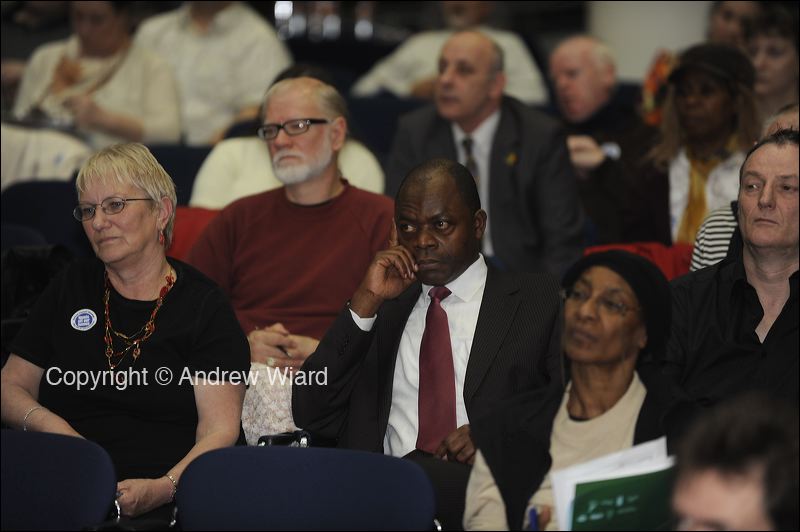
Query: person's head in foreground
{"points": [[737, 468]]}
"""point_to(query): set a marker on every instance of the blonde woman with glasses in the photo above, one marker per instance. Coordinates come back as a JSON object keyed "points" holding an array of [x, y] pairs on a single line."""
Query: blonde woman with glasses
{"points": [[137, 352]]}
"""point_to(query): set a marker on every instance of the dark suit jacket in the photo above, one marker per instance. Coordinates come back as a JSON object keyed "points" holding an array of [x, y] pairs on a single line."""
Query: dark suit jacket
{"points": [[603, 191], [536, 220], [516, 349], [646, 216]]}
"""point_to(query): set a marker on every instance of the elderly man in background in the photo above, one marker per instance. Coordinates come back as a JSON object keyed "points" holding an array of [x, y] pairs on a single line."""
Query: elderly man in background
{"points": [[242, 166], [289, 258], [517, 155], [606, 136]]}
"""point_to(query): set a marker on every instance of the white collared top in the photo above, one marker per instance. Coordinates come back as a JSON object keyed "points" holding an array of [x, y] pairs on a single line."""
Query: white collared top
{"points": [[482, 139], [219, 72], [722, 186], [462, 308]]}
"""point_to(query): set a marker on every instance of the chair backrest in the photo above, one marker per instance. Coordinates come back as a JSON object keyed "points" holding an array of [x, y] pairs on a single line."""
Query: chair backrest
{"points": [[20, 235], [182, 164], [373, 120], [54, 482], [673, 261], [46, 206], [245, 128], [284, 488], [190, 222]]}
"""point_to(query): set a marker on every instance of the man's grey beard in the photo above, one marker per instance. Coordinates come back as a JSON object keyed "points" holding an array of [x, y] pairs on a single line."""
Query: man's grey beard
{"points": [[301, 172]]}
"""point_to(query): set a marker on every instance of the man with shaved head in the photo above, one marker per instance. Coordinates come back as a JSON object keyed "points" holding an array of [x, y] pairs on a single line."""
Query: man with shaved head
{"points": [[433, 338], [606, 136], [517, 155]]}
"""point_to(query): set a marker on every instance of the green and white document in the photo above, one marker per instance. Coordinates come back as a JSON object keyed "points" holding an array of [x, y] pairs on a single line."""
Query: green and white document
{"points": [[627, 490]]}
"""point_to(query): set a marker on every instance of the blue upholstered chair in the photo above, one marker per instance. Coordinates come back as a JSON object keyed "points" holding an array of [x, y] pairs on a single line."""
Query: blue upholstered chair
{"points": [[46, 206], [285, 488], [54, 482], [182, 164]]}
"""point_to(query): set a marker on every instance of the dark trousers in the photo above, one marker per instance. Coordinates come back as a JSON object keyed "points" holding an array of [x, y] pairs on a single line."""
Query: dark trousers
{"points": [[449, 481]]}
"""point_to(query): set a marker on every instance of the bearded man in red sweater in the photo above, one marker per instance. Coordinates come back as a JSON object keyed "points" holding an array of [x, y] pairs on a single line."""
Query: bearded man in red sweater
{"points": [[289, 258]]}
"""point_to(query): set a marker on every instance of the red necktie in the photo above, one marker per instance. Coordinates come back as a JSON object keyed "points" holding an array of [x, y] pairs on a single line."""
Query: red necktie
{"points": [[437, 383]]}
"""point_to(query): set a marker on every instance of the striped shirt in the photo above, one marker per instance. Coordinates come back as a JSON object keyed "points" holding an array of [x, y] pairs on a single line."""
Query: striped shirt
{"points": [[714, 237]]}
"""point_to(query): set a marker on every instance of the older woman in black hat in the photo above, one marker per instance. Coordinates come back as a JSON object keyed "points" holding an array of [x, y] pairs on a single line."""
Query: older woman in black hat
{"points": [[710, 121], [616, 320]]}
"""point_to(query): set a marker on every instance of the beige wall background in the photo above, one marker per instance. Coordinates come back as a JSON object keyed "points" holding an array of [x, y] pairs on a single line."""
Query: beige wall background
{"points": [[635, 31]]}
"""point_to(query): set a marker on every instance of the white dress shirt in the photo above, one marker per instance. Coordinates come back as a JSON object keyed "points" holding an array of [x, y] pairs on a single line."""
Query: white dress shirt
{"points": [[482, 139], [722, 186], [418, 59], [220, 71], [462, 307]]}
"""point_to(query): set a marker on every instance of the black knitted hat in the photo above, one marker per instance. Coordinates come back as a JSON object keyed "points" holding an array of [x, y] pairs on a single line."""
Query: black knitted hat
{"points": [[647, 282]]}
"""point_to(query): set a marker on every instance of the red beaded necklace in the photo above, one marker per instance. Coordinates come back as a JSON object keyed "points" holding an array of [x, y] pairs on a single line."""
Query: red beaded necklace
{"points": [[132, 342]]}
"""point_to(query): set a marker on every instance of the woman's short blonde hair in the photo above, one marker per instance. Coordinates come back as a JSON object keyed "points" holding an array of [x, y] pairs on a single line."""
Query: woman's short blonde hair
{"points": [[131, 163]]}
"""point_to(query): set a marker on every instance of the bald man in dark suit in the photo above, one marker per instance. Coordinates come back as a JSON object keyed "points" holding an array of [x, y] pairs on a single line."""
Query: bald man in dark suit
{"points": [[526, 180], [503, 330]]}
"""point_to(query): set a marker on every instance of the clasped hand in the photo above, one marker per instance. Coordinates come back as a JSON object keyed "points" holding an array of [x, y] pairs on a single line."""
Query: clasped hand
{"points": [[275, 346], [458, 446], [140, 495]]}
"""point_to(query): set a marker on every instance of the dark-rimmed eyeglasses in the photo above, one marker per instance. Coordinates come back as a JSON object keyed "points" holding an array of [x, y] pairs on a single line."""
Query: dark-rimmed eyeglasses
{"points": [[605, 303], [291, 127], [85, 211]]}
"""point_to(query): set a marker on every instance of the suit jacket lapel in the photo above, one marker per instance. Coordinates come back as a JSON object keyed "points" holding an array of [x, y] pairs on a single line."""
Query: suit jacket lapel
{"points": [[394, 316], [499, 305], [505, 153], [442, 143]]}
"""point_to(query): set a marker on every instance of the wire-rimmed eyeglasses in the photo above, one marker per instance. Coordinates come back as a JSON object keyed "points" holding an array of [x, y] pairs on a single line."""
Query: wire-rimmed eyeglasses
{"points": [[291, 127], [85, 211], [606, 303]]}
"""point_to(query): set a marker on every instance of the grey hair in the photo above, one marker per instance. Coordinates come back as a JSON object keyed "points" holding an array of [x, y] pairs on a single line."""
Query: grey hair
{"points": [[792, 108], [132, 164], [599, 51], [602, 54], [498, 61], [328, 98]]}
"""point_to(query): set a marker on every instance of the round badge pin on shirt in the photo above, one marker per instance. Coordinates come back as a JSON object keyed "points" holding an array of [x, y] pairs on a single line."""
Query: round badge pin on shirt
{"points": [[83, 320]]}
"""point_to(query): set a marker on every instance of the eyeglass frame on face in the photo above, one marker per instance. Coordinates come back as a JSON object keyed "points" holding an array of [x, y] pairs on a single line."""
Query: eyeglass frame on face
{"points": [[304, 125], [602, 302], [77, 211]]}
